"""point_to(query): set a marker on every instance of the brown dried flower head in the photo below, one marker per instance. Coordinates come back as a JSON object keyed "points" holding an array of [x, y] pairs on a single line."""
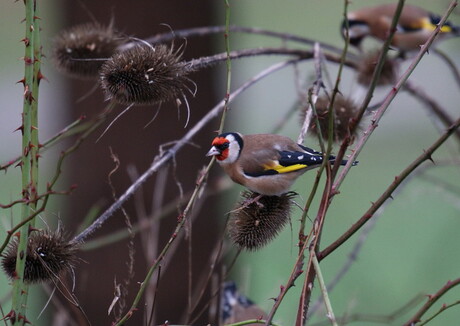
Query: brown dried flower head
{"points": [[48, 256], [367, 65], [145, 74], [344, 111], [253, 225], [81, 50]]}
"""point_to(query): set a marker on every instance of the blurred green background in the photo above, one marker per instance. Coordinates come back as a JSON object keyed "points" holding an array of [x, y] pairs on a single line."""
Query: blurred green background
{"points": [[414, 246]]}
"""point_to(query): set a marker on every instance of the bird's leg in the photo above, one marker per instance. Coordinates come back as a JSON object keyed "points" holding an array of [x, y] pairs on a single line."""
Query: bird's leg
{"points": [[248, 202]]}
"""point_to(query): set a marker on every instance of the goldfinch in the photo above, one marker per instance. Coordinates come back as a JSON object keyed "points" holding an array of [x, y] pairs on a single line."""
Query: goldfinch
{"points": [[267, 164], [236, 307], [414, 27]]}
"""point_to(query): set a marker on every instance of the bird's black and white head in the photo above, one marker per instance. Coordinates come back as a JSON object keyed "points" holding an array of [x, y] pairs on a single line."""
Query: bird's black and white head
{"points": [[226, 147], [357, 31]]}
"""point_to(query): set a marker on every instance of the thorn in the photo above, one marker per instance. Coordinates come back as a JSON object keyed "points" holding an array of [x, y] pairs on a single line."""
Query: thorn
{"points": [[11, 316], [22, 81], [40, 76], [26, 321], [26, 41], [429, 157], [21, 127]]}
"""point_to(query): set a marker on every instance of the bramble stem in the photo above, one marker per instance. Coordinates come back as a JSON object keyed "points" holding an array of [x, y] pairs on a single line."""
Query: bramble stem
{"points": [[29, 160]]}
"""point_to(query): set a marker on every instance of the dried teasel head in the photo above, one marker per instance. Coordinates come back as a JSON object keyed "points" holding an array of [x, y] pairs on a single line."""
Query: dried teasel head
{"points": [[145, 74], [81, 50], [344, 112], [48, 256], [253, 224], [366, 68]]}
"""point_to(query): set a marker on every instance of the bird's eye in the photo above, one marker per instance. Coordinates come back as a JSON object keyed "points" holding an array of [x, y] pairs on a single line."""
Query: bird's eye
{"points": [[222, 146]]}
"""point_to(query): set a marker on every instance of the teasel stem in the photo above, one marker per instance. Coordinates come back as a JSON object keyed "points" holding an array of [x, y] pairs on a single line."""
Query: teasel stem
{"points": [[29, 160], [228, 62]]}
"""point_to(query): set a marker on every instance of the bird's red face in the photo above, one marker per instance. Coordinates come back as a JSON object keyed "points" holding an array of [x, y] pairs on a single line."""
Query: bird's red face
{"points": [[220, 148]]}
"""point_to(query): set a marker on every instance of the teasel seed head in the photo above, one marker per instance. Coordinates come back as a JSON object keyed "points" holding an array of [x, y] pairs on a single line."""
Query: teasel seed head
{"points": [[81, 50], [48, 256], [344, 111], [253, 225], [367, 65], [145, 74]]}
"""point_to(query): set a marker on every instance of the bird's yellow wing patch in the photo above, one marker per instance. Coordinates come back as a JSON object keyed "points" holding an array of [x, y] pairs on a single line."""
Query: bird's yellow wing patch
{"points": [[428, 25], [285, 169]]}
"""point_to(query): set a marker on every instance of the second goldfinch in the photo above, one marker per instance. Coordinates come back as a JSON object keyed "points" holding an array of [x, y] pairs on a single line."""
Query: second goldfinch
{"points": [[414, 27], [267, 164]]}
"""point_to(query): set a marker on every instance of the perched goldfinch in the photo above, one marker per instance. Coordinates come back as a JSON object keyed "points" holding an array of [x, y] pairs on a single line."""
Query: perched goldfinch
{"points": [[236, 307], [414, 26], [264, 163]]}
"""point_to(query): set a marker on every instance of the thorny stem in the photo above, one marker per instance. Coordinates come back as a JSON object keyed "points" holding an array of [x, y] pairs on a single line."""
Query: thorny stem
{"points": [[431, 301], [29, 161]]}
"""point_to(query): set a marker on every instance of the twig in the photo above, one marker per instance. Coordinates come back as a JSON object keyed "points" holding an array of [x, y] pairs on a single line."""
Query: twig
{"points": [[442, 309], [322, 286], [431, 301]]}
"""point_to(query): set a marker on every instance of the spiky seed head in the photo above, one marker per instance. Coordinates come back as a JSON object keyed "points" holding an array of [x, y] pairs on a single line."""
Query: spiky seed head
{"points": [[145, 75], [48, 256], [366, 68], [344, 111], [80, 51], [253, 225]]}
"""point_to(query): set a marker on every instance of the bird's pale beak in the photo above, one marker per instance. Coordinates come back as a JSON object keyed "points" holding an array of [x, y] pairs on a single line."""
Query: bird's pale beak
{"points": [[213, 151]]}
